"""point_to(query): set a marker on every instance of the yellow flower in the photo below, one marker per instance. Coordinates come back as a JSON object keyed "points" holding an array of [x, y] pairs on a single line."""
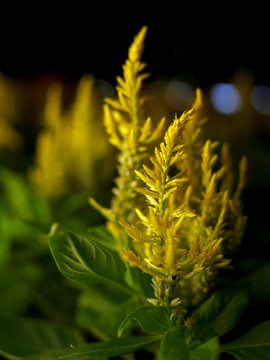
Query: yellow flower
{"points": [[177, 215], [130, 133], [184, 233], [72, 150], [9, 137], [49, 172], [88, 148], [10, 103]]}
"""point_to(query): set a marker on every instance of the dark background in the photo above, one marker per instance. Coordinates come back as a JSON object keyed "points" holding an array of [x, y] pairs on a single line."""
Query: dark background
{"points": [[209, 43]]}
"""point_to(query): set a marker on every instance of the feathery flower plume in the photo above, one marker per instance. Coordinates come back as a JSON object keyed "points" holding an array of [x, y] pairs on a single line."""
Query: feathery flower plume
{"points": [[130, 133], [165, 254], [191, 217], [88, 146], [49, 171], [184, 235]]}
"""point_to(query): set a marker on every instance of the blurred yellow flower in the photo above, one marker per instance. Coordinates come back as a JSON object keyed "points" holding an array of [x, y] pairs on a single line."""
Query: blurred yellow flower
{"points": [[72, 149], [49, 173], [9, 137]]}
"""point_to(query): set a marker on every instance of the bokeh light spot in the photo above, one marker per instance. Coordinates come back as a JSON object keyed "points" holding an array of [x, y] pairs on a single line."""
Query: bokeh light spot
{"points": [[260, 99], [105, 88], [226, 98]]}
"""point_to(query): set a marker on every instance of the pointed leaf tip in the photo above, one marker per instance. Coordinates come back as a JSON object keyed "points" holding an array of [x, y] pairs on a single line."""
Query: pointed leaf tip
{"points": [[55, 229]]}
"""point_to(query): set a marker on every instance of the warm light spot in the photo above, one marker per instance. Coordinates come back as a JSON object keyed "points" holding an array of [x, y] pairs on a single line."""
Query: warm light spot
{"points": [[226, 98]]}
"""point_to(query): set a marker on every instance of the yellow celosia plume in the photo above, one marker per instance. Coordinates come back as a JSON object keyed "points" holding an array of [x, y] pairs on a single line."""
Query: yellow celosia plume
{"points": [[88, 150], [177, 215], [184, 232], [130, 133], [129, 87]]}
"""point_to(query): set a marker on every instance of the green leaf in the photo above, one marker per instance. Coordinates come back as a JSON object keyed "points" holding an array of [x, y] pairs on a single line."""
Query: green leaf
{"points": [[24, 336], [97, 302], [151, 319], [258, 281], [6, 239], [53, 355], [72, 203], [44, 355], [253, 346], [140, 281], [83, 260], [22, 200], [17, 286], [209, 350], [219, 314], [249, 264], [101, 235], [14, 229], [173, 345], [115, 347]]}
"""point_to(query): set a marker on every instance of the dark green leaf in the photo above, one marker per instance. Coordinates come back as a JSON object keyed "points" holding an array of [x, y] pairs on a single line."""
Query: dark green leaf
{"points": [[23, 336], [97, 302], [255, 345], [151, 319], [259, 284], [6, 239], [72, 203], [140, 281], [85, 261], [53, 355], [173, 345], [17, 286], [247, 265], [115, 347], [219, 314], [22, 200], [44, 355], [209, 350]]}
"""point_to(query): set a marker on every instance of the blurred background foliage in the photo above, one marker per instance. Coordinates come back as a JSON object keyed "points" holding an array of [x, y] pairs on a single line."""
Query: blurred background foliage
{"points": [[53, 148]]}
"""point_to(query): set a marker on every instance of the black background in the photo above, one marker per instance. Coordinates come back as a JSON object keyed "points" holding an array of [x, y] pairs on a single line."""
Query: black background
{"points": [[209, 42]]}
